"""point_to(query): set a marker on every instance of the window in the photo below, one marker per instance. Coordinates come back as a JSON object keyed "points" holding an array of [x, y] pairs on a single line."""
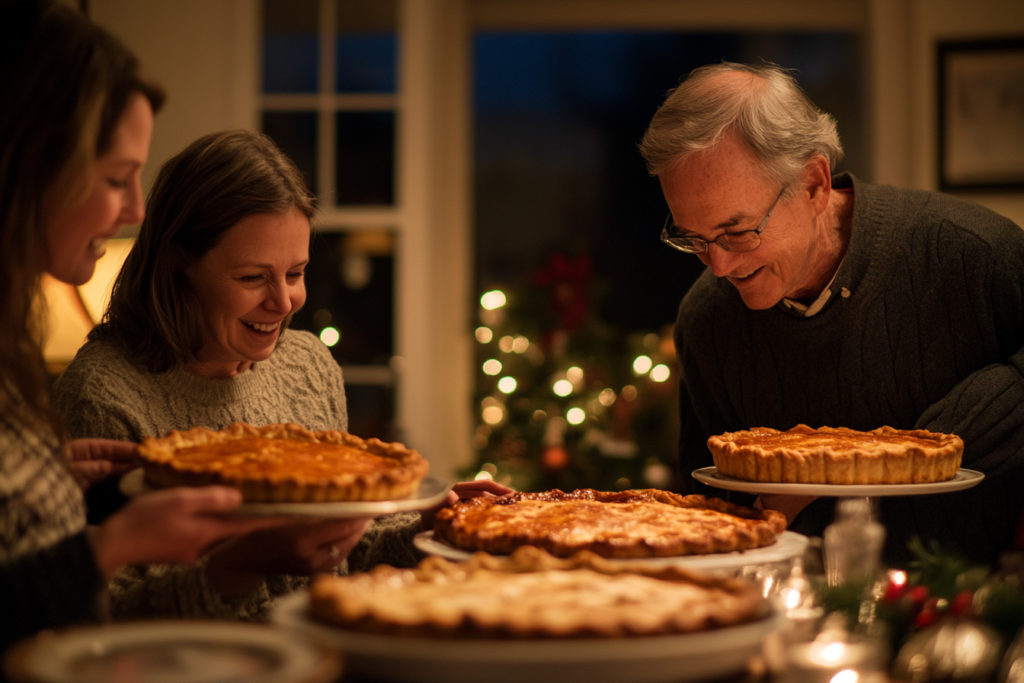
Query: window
{"points": [[329, 100]]}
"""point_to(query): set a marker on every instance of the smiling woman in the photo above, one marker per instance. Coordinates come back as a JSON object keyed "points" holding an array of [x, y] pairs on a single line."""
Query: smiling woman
{"points": [[197, 334], [251, 283]]}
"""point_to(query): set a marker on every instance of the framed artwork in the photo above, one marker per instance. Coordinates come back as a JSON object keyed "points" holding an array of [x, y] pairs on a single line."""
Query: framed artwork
{"points": [[981, 114]]}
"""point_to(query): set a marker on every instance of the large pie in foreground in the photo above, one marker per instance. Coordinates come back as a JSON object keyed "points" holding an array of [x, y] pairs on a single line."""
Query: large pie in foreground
{"points": [[533, 595], [284, 463], [827, 455], [624, 524]]}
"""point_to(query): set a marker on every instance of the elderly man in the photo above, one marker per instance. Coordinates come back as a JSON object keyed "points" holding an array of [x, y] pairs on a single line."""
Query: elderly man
{"points": [[828, 301]]}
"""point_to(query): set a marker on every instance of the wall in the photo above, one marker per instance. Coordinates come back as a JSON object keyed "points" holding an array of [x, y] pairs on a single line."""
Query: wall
{"points": [[931, 21], [205, 54]]}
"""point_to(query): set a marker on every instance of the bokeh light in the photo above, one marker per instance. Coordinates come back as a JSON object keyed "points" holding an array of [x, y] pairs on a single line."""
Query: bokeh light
{"points": [[562, 387], [330, 336], [492, 366], [493, 414], [660, 373], [493, 299], [642, 365], [575, 416], [484, 335], [507, 385]]}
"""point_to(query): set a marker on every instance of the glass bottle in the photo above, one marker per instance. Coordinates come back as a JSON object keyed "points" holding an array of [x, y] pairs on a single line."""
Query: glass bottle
{"points": [[853, 543]]}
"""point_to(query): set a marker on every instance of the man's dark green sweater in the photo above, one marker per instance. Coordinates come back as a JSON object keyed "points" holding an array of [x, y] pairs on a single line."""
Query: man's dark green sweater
{"points": [[930, 336]]}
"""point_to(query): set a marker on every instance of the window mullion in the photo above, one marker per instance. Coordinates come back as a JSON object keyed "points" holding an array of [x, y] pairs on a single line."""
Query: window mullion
{"points": [[326, 105]]}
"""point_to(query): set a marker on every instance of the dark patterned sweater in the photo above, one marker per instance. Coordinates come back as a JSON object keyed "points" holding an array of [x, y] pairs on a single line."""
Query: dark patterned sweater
{"points": [[48, 574], [930, 337]]}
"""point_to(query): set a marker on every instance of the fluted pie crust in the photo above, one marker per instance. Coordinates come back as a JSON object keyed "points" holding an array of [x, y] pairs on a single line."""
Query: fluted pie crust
{"points": [[828, 455], [623, 524], [532, 594], [284, 463]]}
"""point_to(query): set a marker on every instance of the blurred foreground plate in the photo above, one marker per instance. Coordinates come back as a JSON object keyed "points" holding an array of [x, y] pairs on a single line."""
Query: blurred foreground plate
{"points": [[172, 652], [647, 659]]}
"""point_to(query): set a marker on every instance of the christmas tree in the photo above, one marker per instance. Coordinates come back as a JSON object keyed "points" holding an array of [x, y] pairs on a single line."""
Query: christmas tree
{"points": [[566, 402]]}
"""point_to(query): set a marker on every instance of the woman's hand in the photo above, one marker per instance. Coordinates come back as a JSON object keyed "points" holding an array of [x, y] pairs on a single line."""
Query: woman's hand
{"points": [[172, 526], [93, 460], [465, 490], [299, 548]]}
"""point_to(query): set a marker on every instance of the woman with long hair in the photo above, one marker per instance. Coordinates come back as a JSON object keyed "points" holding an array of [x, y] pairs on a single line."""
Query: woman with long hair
{"points": [[75, 126]]}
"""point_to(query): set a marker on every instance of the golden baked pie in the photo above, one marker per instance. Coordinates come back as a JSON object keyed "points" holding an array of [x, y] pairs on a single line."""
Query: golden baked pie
{"points": [[624, 524], [827, 455], [284, 463], [533, 595]]}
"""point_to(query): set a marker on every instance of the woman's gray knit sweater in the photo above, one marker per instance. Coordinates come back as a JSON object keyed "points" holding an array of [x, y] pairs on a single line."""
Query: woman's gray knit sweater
{"points": [[104, 394]]}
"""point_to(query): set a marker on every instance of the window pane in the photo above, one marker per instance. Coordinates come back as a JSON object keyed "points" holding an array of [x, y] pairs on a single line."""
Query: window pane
{"points": [[291, 42], [371, 411], [350, 289], [366, 46], [365, 157], [295, 133], [350, 306]]}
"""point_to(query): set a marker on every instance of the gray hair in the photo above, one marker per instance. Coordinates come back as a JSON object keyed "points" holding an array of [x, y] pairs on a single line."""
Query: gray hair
{"points": [[762, 104]]}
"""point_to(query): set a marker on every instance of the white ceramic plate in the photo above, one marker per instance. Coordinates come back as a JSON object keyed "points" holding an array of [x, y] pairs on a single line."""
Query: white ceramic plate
{"points": [[789, 545], [174, 652], [654, 659], [964, 479], [432, 491]]}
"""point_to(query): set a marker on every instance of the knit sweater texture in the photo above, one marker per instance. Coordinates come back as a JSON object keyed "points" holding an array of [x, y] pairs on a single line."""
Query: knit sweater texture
{"points": [[929, 336], [48, 574], [104, 394]]}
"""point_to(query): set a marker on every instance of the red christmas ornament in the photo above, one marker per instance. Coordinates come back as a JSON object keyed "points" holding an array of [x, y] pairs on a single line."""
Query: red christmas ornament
{"points": [[555, 457], [569, 281]]}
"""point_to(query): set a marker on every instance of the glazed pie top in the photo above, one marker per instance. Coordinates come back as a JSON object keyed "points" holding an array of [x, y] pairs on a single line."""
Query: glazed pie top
{"points": [[284, 462], [532, 594], [639, 523], [837, 455]]}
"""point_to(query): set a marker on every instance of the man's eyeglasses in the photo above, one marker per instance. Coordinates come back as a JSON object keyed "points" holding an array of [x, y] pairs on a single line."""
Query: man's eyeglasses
{"points": [[744, 240]]}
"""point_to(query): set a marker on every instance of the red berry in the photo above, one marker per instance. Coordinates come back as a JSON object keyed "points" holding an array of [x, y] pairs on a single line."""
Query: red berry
{"points": [[918, 594], [963, 604], [893, 592], [926, 618]]}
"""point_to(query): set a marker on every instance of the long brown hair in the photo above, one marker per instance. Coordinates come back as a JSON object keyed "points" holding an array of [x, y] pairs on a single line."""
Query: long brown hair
{"points": [[155, 315], [64, 84]]}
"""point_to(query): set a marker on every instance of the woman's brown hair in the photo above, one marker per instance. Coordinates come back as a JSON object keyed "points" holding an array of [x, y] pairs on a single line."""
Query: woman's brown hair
{"points": [[155, 315], [64, 85]]}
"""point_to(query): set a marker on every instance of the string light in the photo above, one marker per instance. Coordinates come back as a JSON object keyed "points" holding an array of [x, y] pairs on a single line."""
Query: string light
{"points": [[520, 345], [660, 372], [493, 299], [330, 336], [484, 335], [562, 387], [642, 365], [493, 414], [606, 397], [507, 385], [575, 416], [492, 366]]}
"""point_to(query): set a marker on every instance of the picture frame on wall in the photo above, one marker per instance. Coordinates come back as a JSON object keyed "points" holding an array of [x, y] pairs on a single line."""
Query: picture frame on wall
{"points": [[981, 114]]}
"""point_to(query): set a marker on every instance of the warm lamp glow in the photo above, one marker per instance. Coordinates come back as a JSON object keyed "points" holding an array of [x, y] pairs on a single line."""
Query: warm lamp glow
{"points": [[96, 292], [72, 312]]}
